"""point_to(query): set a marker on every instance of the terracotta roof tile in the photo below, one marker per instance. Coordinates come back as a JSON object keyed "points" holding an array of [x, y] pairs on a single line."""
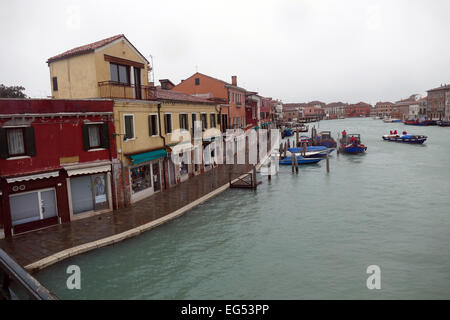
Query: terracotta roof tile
{"points": [[86, 48], [171, 95]]}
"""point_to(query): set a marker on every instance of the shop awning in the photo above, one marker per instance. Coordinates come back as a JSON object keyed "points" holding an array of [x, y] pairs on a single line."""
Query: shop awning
{"points": [[34, 177], [147, 156], [89, 170]]}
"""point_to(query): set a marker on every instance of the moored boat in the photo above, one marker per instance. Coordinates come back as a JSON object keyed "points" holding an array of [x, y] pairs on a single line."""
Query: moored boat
{"points": [[325, 139], [419, 123], [443, 123], [300, 160]]}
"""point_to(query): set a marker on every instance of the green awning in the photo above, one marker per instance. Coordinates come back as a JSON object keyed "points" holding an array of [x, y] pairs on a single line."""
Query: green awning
{"points": [[147, 156]]}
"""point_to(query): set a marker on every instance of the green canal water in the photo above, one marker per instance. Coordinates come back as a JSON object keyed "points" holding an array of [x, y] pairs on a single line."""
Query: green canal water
{"points": [[305, 236]]}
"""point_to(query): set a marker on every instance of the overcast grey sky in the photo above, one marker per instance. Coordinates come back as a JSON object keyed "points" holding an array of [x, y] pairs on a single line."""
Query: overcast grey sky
{"points": [[294, 50]]}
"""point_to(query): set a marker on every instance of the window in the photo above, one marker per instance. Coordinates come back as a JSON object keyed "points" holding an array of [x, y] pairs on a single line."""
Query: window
{"points": [[212, 121], [55, 83], [204, 121], [129, 126], [194, 118], [197, 81], [119, 73], [184, 121], [153, 125], [94, 136], [18, 141], [168, 122]]}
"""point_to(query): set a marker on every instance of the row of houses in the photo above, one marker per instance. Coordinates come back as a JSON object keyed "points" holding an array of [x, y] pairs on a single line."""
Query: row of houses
{"points": [[107, 135], [435, 106], [317, 110]]}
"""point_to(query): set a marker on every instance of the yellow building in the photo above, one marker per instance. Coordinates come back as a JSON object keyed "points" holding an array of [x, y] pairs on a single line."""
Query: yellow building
{"points": [[150, 122]]}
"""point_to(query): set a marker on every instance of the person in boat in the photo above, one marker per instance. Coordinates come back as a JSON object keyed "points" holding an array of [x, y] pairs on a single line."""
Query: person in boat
{"points": [[404, 132], [353, 140], [395, 132], [390, 132]]}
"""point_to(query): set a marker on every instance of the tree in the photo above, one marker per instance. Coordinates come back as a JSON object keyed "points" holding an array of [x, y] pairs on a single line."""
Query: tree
{"points": [[12, 92]]}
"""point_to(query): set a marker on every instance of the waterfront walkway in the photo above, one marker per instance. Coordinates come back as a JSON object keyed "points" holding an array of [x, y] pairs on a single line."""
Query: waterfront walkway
{"points": [[38, 249]]}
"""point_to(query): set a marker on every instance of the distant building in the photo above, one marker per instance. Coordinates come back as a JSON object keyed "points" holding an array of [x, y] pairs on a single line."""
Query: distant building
{"points": [[230, 97], [360, 109], [383, 109], [436, 102], [334, 110], [401, 108], [447, 107]]}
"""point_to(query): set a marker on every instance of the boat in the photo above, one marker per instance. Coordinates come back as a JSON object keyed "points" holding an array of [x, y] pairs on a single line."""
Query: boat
{"points": [[303, 129], [405, 138], [287, 132], [300, 160], [311, 151], [325, 139], [419, 123], [351, 143], [390, 120], [443, 123]]}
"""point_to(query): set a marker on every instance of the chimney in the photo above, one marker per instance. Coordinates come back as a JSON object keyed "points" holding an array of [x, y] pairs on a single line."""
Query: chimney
{"points": [[234, 80]]}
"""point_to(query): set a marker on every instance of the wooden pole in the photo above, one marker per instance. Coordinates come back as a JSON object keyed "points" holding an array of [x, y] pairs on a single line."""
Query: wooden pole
{"points": [[296, 138], [328, 163], [296, 164], [285, 149], [293, 159], [269, 176], [254, 178]]}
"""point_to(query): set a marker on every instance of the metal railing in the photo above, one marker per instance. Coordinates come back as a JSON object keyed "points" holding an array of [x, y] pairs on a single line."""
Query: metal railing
{"points": [[16, 283], [117, 90]]}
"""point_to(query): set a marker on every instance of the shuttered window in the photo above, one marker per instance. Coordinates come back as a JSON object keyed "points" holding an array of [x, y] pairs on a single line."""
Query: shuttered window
{"points": [[204, 121], [129, 126], [212, 121], [153, 125], [17, 142], [168, 122], [95, 136], [184, 121]]}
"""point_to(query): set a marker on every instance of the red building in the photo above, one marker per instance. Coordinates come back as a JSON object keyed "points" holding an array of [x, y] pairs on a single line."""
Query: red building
{"points": [[360, 109], [55, 161], [252, 106]]}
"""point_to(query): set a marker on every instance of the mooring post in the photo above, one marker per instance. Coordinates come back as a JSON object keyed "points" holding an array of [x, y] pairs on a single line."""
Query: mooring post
{"points": [[293, 159], [328, 163], [269, 176], [285, 149], [296, 137], [296, 164], [254, 178]]}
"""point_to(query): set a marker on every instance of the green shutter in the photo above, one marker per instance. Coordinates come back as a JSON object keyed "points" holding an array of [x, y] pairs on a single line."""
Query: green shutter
{"points": [[104, 135], [85, 132], [29, 141], [3, 144]]}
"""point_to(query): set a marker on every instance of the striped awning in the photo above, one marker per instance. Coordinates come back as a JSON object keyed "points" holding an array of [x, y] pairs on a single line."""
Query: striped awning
{"points": [[34, 177]]}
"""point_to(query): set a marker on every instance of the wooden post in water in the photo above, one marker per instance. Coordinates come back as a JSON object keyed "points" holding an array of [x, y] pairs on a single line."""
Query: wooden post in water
{"points": [[293, 161], [296, 137], [289, 143], [296, 163], [328, 163], [269, 170], [254, 177], [304, 148], [285, 149]]}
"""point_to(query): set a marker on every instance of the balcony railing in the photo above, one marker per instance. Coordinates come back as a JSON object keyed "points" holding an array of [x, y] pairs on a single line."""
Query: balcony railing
{"points": [[117, 90], [16, 283]]}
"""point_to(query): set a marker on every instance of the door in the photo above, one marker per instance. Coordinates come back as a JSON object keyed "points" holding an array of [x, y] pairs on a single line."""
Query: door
{"points": [[33, 206], [156, 177], [172, 178], [137, 83]]}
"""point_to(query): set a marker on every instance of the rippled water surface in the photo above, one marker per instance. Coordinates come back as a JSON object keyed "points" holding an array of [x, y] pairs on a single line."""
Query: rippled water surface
{"points": [[305, 236]]}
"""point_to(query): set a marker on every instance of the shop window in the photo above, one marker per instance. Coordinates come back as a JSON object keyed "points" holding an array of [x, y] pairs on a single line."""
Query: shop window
{"points": [[140, 178], [17, 142], [89, 193]]}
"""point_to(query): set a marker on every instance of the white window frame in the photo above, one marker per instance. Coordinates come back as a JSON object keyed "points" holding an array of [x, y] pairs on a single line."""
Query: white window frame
{"points": [[157, 122], [124, 127], [187, 121], [171, 123]]}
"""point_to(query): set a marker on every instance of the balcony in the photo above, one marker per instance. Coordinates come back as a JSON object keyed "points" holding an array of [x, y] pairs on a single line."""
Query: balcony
{"points": [[116, 90]]}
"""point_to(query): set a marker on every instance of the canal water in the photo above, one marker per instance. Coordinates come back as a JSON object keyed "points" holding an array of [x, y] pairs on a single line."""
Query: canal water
{"points": [[305, 236]]}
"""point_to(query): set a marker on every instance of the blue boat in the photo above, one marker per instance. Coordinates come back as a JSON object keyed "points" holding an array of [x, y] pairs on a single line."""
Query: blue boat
{"points": [[406, 138], [352, 144], [300, 160], [287, 133], [312, 151]]}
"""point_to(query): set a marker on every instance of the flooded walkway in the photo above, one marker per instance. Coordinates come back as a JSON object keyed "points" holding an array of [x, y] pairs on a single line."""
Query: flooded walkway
{"points": [[35, 250]]}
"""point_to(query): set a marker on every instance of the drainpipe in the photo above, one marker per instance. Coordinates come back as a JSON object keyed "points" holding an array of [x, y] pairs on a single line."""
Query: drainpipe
{"points": [[164, 143]]}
